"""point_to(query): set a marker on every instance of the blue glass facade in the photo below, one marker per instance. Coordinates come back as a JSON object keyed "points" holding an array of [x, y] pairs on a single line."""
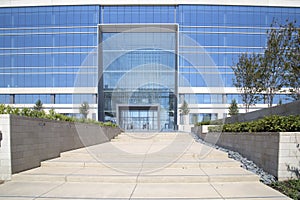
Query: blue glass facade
{"points": [[46, 47], [138, 67]]}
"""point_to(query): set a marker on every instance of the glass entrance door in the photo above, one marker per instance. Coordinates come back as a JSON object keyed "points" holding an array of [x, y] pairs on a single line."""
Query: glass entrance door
{"points": [[139, 119]]}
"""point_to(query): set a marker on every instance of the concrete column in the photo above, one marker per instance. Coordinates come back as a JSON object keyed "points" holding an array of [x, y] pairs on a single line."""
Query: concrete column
{"points": [[12, 99], [52, 98], [5, 149]]}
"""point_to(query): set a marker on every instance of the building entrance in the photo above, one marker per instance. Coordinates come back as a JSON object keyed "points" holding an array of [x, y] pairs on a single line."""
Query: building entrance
{"points": [[143, 118], [138, 67]]}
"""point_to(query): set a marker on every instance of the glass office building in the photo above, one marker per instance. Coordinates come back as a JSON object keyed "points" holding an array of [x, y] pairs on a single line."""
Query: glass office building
{"points": [[133, 64]]}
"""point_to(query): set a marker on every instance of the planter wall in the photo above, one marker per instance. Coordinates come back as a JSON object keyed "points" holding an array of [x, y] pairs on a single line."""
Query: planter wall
{"points": [[28, 141], [276, 153], [203, 129], [292, 108]]}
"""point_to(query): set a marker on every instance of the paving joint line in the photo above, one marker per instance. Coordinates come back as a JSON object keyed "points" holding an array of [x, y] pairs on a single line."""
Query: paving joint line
{"points": [[41, 195], [65, 178], [77, 170], [209, 182], [138, 175]]}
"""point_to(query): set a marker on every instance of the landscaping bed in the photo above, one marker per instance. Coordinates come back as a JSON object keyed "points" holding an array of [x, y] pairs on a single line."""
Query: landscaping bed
{"points": [[51, 115], [291, 188], [272, 142], [273, 123]]}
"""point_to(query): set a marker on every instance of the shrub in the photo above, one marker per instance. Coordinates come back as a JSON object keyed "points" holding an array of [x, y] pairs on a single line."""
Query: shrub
{"points": [[290, 188], [52, 115], [217, 128], [2, 109], [272, 123], [109, 124], [8, 110], [215, 122], [25, 112], [203, 123]]}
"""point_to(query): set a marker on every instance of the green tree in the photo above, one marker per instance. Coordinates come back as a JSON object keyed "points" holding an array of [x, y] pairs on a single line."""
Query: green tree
{"points": [[247, 74], [292, 55], [84, 109], [195, 118], [281, 66], [184, 110], [295, 83], [273, 62], [38, 105], [277, 69], [233, 108]]}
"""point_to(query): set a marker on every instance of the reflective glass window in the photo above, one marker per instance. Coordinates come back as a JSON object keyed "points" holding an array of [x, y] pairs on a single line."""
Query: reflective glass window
{"points": [[4, 99]]}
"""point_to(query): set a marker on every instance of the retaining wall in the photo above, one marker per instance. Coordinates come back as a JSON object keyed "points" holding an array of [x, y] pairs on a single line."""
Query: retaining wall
{"points": [[292, 108], [27, 141], [276, 153]]}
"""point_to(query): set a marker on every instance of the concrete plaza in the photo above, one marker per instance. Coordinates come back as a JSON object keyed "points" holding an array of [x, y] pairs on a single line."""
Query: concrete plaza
{"points": [[140, 166]]}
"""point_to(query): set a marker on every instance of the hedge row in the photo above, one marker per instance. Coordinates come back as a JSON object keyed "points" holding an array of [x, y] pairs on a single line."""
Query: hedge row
{"points": [[52, 115], [215, 122], [272, 123]]}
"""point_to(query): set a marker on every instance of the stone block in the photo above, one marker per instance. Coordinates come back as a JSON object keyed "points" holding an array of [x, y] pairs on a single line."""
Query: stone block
{"points": [[285, 138], [283, 146], [284, 175], [294, 152], [5, 162], [289, 160], [284, 153]]}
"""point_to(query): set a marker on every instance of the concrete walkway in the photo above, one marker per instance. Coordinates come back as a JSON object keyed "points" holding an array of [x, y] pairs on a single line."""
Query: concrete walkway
{"points": [[140, 166]]}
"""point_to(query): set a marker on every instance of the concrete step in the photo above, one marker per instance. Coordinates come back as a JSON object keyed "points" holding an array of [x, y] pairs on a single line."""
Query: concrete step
{"points": [[152, 164], [123, 157], [105, 156], [129, 159], [140, 169], [140, 179], [154, 151], [152, 137], [159, 139], [162, 176]]}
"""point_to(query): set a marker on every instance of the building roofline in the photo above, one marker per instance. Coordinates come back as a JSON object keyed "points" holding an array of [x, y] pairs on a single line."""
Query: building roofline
{"points": [[268, 3]]}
